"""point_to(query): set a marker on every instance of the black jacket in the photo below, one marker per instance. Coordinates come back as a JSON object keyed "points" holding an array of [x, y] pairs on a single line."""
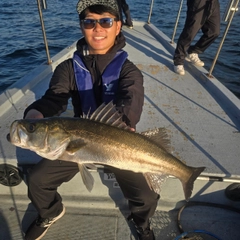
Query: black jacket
{"points": [[62, 86]]}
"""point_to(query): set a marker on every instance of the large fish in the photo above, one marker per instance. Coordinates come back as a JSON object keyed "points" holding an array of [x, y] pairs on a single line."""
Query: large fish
{"points": [[103, 139]]}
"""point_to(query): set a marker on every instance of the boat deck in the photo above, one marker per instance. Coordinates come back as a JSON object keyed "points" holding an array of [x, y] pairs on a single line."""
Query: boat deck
{"points": [[202, 119]]}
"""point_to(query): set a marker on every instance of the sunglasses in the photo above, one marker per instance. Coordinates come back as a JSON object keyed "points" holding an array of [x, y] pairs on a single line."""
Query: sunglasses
{"points": [[104, 22]]}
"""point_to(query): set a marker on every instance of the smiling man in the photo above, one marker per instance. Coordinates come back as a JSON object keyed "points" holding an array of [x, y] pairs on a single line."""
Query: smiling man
{"points": [[99, 30], [99, 72]]}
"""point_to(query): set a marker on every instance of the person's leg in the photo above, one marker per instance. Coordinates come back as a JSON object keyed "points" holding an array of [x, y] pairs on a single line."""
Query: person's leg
{"points": [[127, 14], [142, 200], [192, 25], [119, 2], [210, 28], [43, 181]]}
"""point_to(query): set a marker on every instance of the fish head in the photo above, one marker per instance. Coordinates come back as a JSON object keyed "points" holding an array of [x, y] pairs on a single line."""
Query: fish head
{"points": [[44, 136]]}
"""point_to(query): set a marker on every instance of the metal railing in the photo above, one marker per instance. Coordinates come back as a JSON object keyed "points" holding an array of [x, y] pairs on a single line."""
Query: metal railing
{"points": [[177, 20], [231, 9], [43, 5]]}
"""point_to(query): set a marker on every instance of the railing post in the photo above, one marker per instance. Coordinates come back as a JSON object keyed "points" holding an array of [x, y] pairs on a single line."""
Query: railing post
{"points": [[177, 20], [150, 12], [227, 17], [49, 61]]}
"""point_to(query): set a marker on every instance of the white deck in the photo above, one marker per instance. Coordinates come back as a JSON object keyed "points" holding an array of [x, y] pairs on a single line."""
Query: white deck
{"points": [[202, 118]]}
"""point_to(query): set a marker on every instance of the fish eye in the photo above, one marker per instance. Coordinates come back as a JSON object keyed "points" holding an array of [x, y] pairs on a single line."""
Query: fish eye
{"points": [[31, 127]]}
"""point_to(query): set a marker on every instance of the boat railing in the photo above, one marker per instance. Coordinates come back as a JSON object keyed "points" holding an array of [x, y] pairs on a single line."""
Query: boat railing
{"points": [[42, 4], [231, 9]]}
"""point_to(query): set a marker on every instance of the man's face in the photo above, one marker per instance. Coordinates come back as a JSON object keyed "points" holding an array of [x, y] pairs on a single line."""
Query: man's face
{"points": [[100, 39]]}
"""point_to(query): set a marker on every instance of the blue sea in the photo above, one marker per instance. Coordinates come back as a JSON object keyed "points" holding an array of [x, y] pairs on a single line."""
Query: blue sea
{"points": [[22, 47]]}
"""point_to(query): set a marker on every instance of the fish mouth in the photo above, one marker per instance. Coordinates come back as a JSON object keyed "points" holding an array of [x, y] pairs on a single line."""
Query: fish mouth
{"points": [[16, 134]]}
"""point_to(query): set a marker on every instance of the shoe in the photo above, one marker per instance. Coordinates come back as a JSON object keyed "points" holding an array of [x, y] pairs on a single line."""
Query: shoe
{"points": [[127, 25], [194, 59], [40, 226], [147, 234], [179, 69]]}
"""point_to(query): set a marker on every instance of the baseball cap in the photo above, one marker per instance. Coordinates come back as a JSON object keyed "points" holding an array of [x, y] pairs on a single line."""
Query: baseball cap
{"points": [[83, 4]]}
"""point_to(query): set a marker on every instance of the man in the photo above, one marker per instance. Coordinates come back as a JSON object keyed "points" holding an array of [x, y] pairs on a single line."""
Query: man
{"points": [[83, 80], [204, 15]]}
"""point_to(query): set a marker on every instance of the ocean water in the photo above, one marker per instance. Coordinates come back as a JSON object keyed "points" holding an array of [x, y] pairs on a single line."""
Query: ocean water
{"points": [[22, 47]]}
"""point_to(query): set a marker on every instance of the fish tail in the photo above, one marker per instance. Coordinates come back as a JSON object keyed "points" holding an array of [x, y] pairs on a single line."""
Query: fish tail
{"points": [[188, 186]]}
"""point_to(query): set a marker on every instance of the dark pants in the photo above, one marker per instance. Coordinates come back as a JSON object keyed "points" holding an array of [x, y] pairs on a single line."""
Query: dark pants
{"points": [[47, 176], [123, 6], [201, 14]]}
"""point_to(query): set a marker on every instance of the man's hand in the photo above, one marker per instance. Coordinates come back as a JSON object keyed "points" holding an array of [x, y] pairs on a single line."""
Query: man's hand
{"points": [[33, 113]]}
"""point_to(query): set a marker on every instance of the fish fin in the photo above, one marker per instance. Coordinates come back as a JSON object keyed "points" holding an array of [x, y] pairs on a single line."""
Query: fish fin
{"points": [[108, 114], [96, 115], [188, 186], [74, 146], [159, 136], [155, 181], [87, 177]]}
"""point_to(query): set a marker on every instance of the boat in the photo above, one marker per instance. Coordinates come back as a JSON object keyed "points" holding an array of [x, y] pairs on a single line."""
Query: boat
{"points": [[202, 119]]}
